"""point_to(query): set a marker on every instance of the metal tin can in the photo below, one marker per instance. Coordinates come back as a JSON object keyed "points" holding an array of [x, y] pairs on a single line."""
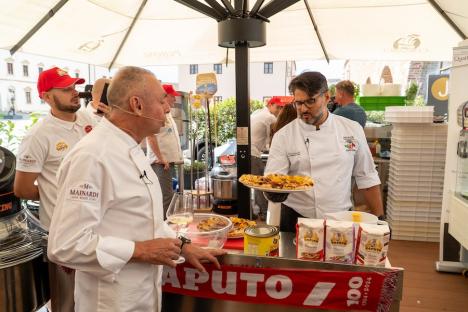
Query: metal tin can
{"points": [[261, 240]]}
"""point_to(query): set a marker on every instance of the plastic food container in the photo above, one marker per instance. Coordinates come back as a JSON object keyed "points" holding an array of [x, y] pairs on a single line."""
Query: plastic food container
{"points": [[409, 114], [213, 238]]}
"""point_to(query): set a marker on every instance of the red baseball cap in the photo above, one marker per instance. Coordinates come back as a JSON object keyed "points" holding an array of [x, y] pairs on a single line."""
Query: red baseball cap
{"points": [[170, 90], [276, 100], [55, 78]]}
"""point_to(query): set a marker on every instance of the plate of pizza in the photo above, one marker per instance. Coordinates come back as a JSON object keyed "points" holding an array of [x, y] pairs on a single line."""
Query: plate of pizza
{"points": [[277, 183], [238, 227]]}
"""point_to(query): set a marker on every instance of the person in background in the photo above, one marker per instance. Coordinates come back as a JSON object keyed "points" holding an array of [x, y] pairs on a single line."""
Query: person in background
{"points": [[332, 105], [96, 109], [164, 150], [347, 107], [287, 114], [39, 156], [108, 224], [260, 126], [328, 148]]}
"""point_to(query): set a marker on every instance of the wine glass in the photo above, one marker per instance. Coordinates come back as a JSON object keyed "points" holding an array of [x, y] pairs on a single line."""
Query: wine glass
{"points": [[179, 215], [180, 212]]}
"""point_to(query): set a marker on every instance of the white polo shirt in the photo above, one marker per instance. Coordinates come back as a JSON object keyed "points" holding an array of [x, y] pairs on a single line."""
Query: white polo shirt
{"points": [[168, 142], [42, 151], [331, 156], [260, 128]]}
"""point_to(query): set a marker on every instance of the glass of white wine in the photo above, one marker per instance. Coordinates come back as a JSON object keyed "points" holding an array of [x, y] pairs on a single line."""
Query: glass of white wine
{"points": [[180, 212]]}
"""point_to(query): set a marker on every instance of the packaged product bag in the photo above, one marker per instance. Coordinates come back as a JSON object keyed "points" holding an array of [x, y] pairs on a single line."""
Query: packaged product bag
{"points": [[339, 241], [372, 244], [310, 239]]}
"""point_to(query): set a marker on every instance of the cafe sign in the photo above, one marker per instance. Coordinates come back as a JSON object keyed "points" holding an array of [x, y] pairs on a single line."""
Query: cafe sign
{"points": [[318, 289]]}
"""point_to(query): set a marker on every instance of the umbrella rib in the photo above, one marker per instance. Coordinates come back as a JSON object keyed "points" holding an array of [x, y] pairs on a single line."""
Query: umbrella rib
{"points": [[202, 8], [317, 31], [218, 8], [447, 19], [275, 6], [256, 7], [38, 26], [229, 7], [140, 9]]}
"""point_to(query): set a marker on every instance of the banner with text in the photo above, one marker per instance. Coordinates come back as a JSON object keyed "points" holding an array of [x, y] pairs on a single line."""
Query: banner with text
{"points": [[322, 289]]}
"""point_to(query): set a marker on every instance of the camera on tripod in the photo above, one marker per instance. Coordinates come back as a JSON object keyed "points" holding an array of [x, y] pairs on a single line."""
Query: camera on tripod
{"points": [[86, 94]]}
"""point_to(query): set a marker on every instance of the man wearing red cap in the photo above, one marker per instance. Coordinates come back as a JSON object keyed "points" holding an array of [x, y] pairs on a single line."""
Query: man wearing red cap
{"points": [[39, 157], [164, 150], [260, 127]]}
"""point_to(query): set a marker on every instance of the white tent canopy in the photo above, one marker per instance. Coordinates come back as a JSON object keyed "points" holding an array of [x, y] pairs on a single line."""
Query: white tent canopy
{"points": [[167, 32]]}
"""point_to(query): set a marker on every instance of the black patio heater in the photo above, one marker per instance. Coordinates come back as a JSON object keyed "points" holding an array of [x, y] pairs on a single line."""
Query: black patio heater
{"points": [[241, 29]]}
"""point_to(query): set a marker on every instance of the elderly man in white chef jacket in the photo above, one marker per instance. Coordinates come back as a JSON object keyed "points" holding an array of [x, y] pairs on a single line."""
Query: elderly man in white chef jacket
{"points": [[329, 148], [108, 221]]}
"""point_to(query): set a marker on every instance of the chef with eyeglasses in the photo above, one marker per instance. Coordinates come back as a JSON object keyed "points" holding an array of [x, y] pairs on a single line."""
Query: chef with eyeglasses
{"points": [[330, 149]]}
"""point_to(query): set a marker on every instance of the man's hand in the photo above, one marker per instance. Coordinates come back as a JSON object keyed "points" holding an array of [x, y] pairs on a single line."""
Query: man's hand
{"points": [[105, 109], [276, 197], [163, 162], [158, 251], [194, 254]]}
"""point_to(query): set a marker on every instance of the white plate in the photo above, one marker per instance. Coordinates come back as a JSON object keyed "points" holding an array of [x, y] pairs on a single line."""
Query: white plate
{"points": [[275, 190]]}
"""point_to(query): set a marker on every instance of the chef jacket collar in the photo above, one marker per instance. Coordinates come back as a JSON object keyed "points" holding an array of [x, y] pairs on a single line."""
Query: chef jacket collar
{"points": [[66, 124], [326, 124], [124, 136]]}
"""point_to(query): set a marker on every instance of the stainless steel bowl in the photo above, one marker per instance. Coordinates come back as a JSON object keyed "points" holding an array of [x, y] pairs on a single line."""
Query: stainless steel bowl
{"points": [[225, 189], [24, 286], [24, 282]]}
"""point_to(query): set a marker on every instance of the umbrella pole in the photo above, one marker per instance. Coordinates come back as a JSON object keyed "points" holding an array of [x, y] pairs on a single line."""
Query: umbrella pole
{"points": [[243, 126]]}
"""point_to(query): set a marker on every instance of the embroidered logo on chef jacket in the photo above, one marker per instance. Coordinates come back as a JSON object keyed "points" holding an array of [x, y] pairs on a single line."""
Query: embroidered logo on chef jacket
{"points": [[293, 154], [83, 192], [27, 160], [350, 143], [88, 128], [61, 146]]}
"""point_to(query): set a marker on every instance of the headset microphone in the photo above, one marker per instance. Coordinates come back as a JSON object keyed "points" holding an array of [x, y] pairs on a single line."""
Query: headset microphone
{"points": [[138, 115]]}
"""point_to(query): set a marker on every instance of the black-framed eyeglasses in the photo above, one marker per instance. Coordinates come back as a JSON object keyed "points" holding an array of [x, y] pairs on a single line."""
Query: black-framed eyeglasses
{"points": [[309, 103]]}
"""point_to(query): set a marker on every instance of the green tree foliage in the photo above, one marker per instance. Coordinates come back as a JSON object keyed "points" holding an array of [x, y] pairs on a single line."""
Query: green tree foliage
{"points": [[332, 89], [9, 137], [357, 90], [222, 119], [411, 92]]}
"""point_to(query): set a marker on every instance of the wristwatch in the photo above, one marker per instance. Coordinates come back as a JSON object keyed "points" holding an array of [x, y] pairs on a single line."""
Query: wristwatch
{"points": [[184, 240]]}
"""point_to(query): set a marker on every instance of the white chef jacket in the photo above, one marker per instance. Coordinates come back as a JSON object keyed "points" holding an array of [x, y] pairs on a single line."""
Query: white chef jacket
{"points": [[168, 142], [108, 198], [260, 128], [91, 111], [331, 156], [43, 149]]}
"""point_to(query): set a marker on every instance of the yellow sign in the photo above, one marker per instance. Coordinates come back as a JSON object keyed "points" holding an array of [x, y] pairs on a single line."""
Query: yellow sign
{"points": [[439, 89], [206, 84], [196, 101]]}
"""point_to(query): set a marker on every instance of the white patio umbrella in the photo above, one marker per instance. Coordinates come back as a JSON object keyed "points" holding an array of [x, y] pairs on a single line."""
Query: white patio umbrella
{"points": [[165, 32], [156, 32]]}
